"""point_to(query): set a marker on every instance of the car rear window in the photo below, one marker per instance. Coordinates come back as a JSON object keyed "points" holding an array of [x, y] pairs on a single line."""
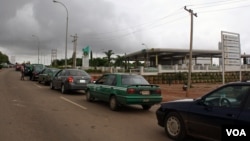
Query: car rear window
{"points": [[134, 80], [77, 73]]}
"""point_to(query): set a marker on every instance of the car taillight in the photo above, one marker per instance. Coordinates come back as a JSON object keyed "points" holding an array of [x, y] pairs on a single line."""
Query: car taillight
{"points": [[130, 91], [70, 79], [158, 91], [92, 79]]}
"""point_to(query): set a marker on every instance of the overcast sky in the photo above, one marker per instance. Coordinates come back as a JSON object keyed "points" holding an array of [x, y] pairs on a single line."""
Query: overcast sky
{"points": [[118, 25]]}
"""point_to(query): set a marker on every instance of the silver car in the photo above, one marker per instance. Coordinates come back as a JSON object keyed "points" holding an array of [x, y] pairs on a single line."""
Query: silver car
{"points": [[70, 79]]}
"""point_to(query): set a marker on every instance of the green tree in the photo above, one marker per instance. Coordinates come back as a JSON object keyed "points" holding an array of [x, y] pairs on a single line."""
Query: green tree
{"points": [[98, 62], [119, 61], [109, 53], [4, 58]]}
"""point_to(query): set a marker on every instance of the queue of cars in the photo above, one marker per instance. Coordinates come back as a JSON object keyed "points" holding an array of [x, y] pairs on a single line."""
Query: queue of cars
{"points": [[118, 89], [66, 80], [31, 70], [205, 117]]}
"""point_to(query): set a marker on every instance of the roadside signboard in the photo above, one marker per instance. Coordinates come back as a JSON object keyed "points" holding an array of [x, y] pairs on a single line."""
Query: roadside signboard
{"points": [[231, 51]]}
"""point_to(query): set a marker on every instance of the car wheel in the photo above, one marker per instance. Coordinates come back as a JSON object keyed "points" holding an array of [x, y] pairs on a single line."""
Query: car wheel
{"points": [[63, 91], [146, 107], [46, 83], [51, 86], [33, 78], [89, 97], [113, 103], [174, 126]]}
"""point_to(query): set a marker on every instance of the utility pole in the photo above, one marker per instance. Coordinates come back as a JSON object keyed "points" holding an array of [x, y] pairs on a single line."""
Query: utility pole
{"points": [[74, 52], [190, 50], [54, 57]]}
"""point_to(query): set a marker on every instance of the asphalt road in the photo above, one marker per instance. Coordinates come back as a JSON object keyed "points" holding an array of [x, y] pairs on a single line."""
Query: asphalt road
{"points": [[33, 112]]}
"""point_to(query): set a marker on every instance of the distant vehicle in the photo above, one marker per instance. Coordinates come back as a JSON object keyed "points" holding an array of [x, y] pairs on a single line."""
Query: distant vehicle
{"points": [[70, 79], [4, 65], [124, 89], [36, 69], [205, 117], [45, 76]]}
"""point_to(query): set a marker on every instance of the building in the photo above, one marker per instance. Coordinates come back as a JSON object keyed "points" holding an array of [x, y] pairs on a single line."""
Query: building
{"points": [[155, 56]]}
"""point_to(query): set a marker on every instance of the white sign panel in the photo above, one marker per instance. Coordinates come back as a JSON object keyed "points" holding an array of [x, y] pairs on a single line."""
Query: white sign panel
{"points": [[231, 37], [232, 55], [231, 51], [231, 44], [232, 62]]}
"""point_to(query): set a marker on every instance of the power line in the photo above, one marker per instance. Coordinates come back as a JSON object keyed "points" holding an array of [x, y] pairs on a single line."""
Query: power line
{"points": [[209, 4], [139, 29], [114, 37], [156, 23], [206, 11], [150, 23]]}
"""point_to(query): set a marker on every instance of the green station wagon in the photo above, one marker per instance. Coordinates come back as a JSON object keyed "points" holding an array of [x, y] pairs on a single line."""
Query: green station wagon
{"points": [[124, 89]]}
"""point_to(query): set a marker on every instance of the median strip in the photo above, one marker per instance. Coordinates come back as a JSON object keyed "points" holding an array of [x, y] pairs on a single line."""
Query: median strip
{"points": [[65, 99]]}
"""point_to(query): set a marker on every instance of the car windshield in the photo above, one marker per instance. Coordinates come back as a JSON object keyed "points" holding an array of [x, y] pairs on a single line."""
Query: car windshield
{"points": [[54, 70], [38, 66], [134, 80]]}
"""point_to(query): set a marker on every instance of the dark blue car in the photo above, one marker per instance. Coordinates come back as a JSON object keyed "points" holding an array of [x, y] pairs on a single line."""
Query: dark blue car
{"points": [[207, 116]]}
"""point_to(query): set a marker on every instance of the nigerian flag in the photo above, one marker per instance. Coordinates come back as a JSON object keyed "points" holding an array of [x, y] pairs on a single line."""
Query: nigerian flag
{"points": [[86, 51]]}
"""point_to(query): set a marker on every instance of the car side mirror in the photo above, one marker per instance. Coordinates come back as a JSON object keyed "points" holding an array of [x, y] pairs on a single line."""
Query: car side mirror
{"points": [[202, 101]]}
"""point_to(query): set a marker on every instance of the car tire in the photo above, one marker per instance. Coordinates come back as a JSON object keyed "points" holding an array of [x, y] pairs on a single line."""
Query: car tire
{"points": [[89, 97], [51, 86], [146, 107], [33, 78], [113, 103], [174, 126], [63, 91]]}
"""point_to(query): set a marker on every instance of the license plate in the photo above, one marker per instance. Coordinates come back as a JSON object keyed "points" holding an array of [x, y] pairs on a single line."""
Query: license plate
{"points": [[145, 92], [82, 81]]}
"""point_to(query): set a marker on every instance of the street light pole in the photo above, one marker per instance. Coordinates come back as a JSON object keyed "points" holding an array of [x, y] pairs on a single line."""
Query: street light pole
{"points": [[74, 52], [38, 44], [66, 38]]}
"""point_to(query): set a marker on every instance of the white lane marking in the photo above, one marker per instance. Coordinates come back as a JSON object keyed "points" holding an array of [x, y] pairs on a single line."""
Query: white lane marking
{"points": [[65, 99], [38, 86]]}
